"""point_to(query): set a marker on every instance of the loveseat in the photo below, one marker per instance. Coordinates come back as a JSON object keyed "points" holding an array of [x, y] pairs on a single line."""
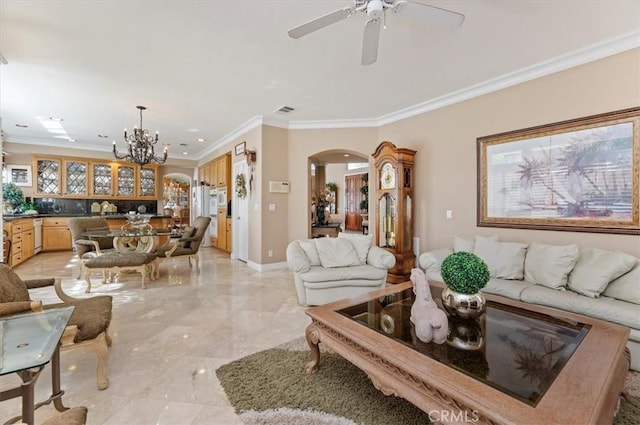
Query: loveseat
{"points": [[329, 269], [589, 281]]}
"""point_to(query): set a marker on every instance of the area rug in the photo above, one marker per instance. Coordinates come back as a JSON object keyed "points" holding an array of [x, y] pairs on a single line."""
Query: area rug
{"points": [[270, 387]]}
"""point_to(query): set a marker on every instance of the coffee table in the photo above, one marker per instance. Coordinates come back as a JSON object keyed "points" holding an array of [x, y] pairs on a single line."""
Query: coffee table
{"points": [[517, 364]]}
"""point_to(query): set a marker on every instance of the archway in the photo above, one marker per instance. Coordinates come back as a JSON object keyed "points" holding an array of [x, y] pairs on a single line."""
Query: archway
{"points": [[176, 194], [330, 171]]}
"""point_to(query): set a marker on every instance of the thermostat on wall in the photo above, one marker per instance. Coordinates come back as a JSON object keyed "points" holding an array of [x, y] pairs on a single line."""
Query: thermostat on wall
{"points": [[278, 187]]}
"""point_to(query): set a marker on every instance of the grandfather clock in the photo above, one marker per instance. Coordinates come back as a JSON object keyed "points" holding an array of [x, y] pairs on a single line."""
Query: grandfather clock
{"points": [[394, 207]]}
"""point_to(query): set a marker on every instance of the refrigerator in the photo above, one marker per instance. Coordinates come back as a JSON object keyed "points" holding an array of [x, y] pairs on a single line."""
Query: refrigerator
{"points": [[201, 208]]}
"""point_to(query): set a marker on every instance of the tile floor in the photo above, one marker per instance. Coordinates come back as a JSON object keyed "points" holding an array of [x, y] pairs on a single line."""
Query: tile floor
{"points": [[168, 339]]}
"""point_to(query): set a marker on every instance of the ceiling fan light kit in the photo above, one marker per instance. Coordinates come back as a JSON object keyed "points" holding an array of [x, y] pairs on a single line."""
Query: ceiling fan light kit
{"points": [[376, 11]]}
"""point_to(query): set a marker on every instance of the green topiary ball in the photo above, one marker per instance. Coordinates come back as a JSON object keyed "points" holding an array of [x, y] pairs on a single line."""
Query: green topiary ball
{"points": [[464, 272]]}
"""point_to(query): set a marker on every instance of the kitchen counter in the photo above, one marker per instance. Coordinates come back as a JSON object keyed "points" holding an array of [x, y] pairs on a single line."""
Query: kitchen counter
{"points": [[113, 216]]}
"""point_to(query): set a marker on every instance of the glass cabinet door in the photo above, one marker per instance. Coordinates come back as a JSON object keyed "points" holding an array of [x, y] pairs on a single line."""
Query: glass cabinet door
{"points": [[75, 178], [102, 179], [387, 229], [48, 177], [125, 180], [147, 186]]}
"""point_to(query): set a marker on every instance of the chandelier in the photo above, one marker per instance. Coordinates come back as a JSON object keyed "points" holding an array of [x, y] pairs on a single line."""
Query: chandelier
{"points": [[141, 148]]}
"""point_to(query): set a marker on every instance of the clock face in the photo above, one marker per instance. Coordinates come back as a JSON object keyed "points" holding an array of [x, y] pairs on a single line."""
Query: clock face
{"points": [[388, 177]]}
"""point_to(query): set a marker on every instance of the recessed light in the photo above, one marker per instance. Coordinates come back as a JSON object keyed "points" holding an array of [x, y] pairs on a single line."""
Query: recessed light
{"points": [[185, 153], [56, 119], [72, 140], [22, 125], [201, 140], [346, 155], [182, 144], [102, 136]]}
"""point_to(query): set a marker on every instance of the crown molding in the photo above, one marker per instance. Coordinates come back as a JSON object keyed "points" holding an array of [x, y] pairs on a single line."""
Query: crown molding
{"points": [[600, 50]]}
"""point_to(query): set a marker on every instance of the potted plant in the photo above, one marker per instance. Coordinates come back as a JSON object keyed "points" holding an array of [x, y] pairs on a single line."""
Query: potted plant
{"points": [[30, 208], [12, 197], [465, 274]]}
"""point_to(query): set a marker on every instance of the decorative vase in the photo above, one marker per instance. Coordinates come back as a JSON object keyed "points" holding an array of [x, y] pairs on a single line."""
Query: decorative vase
{"points": [[465, 334], [320, 215], [466, 306]]}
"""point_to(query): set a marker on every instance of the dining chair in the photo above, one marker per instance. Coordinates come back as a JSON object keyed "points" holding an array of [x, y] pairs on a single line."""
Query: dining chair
{"points": [[188, 244], [88, 326], [88, 249]]}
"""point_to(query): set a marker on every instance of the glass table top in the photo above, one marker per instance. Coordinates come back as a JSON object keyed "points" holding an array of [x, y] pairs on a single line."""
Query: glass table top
{"points": [[130, 233], [516, 351], [29, 340]]}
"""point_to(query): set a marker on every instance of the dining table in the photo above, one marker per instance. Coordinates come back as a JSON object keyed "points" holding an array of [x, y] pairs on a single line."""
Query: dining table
{"points": [[28, 342], [127, 241]]}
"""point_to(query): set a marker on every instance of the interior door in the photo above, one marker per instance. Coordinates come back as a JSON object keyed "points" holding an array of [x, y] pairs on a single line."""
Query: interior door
{"points": [[240, 214], [353, 196]]}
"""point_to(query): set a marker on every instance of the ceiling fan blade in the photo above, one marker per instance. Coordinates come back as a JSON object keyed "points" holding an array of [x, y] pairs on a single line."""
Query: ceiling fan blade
{"points": [[370, 41], [428, 15], [321, 22]]}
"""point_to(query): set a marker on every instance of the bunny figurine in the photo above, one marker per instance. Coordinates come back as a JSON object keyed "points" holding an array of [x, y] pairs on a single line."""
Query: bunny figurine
{"points": [[429, 321]]}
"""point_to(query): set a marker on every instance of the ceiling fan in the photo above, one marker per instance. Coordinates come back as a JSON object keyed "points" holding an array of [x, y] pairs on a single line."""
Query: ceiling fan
{"points": [[376, 11]]}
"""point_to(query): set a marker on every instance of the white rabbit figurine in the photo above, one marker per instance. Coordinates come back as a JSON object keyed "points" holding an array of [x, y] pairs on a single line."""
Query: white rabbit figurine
{"points": [[430, 322]]}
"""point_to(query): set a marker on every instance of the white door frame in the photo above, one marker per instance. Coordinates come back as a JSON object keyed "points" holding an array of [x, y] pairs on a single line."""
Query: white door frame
{"points": [[235, 214]]}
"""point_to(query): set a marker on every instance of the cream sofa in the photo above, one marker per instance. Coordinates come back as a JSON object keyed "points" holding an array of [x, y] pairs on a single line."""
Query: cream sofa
{"points": [[601, 284], [329, 269]]}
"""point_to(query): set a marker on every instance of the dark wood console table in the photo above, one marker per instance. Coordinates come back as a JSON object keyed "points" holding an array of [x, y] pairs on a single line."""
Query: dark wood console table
{"points": [[330, 230]]}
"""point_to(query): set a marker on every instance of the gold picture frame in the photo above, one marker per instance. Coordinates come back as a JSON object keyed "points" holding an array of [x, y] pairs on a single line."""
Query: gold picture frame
{"points": [[581, 175]]}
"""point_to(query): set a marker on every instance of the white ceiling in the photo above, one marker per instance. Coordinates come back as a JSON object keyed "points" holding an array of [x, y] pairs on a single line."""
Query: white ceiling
{"points": [[206, 68]]}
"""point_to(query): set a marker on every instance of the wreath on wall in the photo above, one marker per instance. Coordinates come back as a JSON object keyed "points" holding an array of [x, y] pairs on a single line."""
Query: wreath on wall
{"points": [[241, 186]]}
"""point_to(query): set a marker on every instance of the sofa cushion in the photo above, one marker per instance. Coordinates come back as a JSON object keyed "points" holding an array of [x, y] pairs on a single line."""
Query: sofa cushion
{"points": [[361, 243], [504, 259], [506, 287], [336, 252], [626, 287], [309, 248], [595, 268], [460, 244], [321, 274], [549, 265], [603, 308]]}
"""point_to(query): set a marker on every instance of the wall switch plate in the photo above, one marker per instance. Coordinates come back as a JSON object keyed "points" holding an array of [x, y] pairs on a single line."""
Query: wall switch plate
{"points": [[449, 214], [272, 207], [270, 253]]}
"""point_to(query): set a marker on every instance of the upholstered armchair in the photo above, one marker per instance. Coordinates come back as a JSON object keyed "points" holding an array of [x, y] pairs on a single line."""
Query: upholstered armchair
{"points": [[329, 269], [88, 326], [188, 244], [88, 249]]}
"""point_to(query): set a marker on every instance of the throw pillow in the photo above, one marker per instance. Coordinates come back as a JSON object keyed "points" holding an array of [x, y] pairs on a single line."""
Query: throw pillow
{"points": [[188, 232], [103, 242], [361, 243], [596, 268], [626, 287], [504, 259], [309, 248], [464, 245], [549, 265], [336, 252]]}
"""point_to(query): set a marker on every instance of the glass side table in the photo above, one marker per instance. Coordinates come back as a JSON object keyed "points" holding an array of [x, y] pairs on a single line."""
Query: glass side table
{"points": [[27, 343]]}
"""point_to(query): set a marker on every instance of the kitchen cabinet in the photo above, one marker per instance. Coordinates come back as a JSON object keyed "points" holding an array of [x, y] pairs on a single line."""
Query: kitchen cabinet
{"points": [[22, 241], [74, 176], [223, 167], [101, 178], [125, 180], [229, 239], [147, 182], [48, 176], [56, 235], [222, 228]]}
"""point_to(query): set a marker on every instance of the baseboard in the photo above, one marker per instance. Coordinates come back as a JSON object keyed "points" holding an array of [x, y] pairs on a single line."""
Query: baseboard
{"points": [[267, 267]]}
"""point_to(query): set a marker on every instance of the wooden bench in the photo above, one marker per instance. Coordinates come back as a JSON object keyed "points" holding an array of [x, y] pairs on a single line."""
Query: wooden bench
{"points": [[142, 262]]}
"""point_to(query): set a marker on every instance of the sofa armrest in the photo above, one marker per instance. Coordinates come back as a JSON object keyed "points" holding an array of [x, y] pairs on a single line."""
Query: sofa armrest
{"points": [[297, 260], [380, 258], [431, 261]]}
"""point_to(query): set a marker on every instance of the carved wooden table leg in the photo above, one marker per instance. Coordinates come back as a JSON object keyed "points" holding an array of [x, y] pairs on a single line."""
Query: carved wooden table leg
{"points": [[313, 339]]}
